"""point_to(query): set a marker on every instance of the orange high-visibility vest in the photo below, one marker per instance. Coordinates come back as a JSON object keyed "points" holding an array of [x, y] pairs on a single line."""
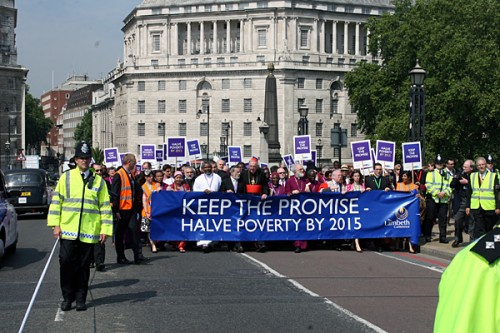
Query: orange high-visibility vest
{"points": [[146, 193], [126, 198]]}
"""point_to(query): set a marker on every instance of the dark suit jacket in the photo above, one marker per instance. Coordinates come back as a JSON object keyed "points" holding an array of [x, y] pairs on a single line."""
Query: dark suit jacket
{"points": [[227, 184], [384, 182], [260, 178], [223, 175]]}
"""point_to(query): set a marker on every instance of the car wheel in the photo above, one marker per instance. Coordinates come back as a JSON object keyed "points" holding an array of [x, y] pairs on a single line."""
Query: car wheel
{"points": [[12, 249], [2, 247]]}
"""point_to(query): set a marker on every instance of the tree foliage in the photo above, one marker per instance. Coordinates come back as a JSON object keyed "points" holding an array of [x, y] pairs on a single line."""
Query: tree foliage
{"points": [[37, 126], [83, 131], [456, 42], [98, 155]]}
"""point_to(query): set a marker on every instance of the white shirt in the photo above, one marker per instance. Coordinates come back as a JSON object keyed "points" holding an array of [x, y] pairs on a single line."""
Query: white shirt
{"points": [[168, 181], [204, 182]]}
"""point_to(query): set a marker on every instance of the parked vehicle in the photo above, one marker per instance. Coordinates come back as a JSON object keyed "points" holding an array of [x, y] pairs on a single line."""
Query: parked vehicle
{"points": [[8, 221], [31, 188]]}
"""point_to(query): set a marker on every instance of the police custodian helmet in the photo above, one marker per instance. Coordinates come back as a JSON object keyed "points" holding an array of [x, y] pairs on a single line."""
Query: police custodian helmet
{"points": [[83, 150]]}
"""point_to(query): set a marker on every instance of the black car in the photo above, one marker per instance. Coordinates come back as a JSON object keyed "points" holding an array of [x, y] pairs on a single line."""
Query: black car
{"points": [[30, 188]]}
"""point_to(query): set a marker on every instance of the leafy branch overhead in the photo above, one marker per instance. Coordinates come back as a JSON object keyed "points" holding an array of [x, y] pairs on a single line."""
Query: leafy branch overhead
{"points": [[456, 42]]}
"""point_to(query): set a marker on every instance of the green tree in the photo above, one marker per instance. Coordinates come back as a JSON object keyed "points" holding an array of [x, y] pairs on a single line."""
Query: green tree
{"points": [[83, 131], [36, 124], [98, 155], [456, 42]]}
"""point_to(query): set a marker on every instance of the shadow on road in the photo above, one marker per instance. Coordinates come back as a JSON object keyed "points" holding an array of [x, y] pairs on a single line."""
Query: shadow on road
{"points": [[115, 283], [120, 298], [23, 257]]}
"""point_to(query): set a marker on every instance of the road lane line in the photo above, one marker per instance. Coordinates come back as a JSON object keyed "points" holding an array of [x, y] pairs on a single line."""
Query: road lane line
{"points": [[59, 315], [313, 294], [432, 268]]}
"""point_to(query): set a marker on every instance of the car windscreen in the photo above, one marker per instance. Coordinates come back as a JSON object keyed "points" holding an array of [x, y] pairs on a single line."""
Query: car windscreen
{"points": [[30, 179]]}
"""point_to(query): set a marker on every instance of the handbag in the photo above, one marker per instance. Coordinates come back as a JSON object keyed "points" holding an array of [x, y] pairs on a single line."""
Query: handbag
{"points": [[145, 224]]}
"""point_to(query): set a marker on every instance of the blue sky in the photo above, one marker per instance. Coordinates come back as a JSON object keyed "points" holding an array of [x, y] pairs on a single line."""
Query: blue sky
{"points": [[67, 37]]}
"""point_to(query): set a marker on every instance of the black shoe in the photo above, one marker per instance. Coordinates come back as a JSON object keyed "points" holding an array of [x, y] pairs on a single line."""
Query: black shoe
{"points": [[141, 261], [428, 239], [100, 267], [338, 248], [123, 261], [66, 305], [455, 244], [205, 248], [261, 249], [92, 264], [443, 241], [298, 250], [379, 249], [239, 249], [81, 307]]}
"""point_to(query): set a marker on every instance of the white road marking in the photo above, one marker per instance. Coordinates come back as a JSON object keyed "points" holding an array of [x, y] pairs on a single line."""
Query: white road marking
{"points": [[313, 294], [432, 268], [59, 315]]}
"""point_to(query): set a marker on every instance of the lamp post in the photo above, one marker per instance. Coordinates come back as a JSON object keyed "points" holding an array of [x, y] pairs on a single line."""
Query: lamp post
{"points": [[198, 115], [203, 147], [319, 151], [303, 122], [417, 107], [338, 139]]}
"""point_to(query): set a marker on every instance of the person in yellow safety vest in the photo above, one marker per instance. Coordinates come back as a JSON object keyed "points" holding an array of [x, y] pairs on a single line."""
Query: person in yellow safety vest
{"points": [[482, 198], [438, 187], [80, 216], [469, 289]]}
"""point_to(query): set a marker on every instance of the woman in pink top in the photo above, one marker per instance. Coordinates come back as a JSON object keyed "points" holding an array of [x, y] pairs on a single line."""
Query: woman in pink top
{"points": [[356, 184]]}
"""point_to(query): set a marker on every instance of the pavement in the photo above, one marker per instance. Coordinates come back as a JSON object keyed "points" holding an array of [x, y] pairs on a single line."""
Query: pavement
{"points": [[440, 250]]}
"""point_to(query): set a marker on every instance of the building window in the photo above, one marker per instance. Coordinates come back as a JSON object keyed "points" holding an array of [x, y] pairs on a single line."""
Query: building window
{"points": [[341, 62], [182, 84], [261, 33], [156, 43], [203, 129], [161, 106], [319, 129], [156, 11], [319, 106], [301, 102], [207, 62], [233, 61], [336, 152], [208, 8], [336, 125], [182, 106], [247, 151], [261, 59], [354, 129], [182, 129], [161, 85], [161, 129], [141, 86], [247, 105], [141, 106], [182, 63], [141, 129], [155, 64], [220, 62], [304, 34], [226, 84], [319, 83], [226, 105], [247, 129], [301, 82], [329, 60], [247, 83], [194, 62], [335, 106], [305, 60]]}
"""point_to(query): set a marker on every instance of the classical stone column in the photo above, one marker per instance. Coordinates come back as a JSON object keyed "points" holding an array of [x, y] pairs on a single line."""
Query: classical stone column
{"points": [[334, 37], [242, 36], [322, 36], [250, 32], [215, 38], [174, 37], [314, 36], [356, 51], [202, 37], [294, 33], [346, 34], [228, 36], [188, 46]]}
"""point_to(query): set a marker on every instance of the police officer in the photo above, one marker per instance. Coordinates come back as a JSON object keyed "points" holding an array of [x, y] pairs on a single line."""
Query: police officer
{"points": [[438, 187], [80, 215]]}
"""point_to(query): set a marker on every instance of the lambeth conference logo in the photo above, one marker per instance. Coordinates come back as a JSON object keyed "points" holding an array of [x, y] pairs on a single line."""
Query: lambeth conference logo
{"points": [[401, 220]]}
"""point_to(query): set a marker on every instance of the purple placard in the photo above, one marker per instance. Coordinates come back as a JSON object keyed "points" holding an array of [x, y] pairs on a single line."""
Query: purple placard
{"points": [[361, 151], [412, 156], [193, 147], [111, 155], [121, 158], [302, 147], [385, 153], [176, 147], [288, 159], [148, 152], [313, 156], [159, 155], [234, 153]]}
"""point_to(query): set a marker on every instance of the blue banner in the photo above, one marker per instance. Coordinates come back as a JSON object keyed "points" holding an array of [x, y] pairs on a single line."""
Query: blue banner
{"points": [[195, 216]]}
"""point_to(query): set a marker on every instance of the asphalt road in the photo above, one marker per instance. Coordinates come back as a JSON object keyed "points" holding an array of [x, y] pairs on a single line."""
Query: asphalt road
{"points": [[279, 291]]}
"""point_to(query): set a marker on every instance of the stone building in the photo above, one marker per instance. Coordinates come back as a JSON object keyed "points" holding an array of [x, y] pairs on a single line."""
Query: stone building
{"points": [[197, 69], [12, 90]]}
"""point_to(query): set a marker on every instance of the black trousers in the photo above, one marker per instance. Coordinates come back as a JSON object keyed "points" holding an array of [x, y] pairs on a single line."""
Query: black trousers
{"points": [[74, 261], [128, 222], [484, 221], [99, 253], [434, 210]]}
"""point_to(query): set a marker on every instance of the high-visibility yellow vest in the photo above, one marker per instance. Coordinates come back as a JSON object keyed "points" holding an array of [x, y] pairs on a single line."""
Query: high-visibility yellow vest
{"points": [[483, 196], [81, 211], [435, 183]]}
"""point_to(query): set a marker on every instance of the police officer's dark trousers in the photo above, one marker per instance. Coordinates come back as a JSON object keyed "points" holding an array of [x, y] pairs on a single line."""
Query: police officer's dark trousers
{"points": [[434, 210], [74, 260]]}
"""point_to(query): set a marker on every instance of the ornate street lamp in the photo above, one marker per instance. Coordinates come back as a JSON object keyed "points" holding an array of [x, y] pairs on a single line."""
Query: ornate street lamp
{"points": [[319, 150], [198, 115], [416, 130], [303, 122]]}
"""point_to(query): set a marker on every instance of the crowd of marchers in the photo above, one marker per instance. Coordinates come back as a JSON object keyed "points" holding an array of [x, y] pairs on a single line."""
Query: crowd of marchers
{"points": [[468, 195]]}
